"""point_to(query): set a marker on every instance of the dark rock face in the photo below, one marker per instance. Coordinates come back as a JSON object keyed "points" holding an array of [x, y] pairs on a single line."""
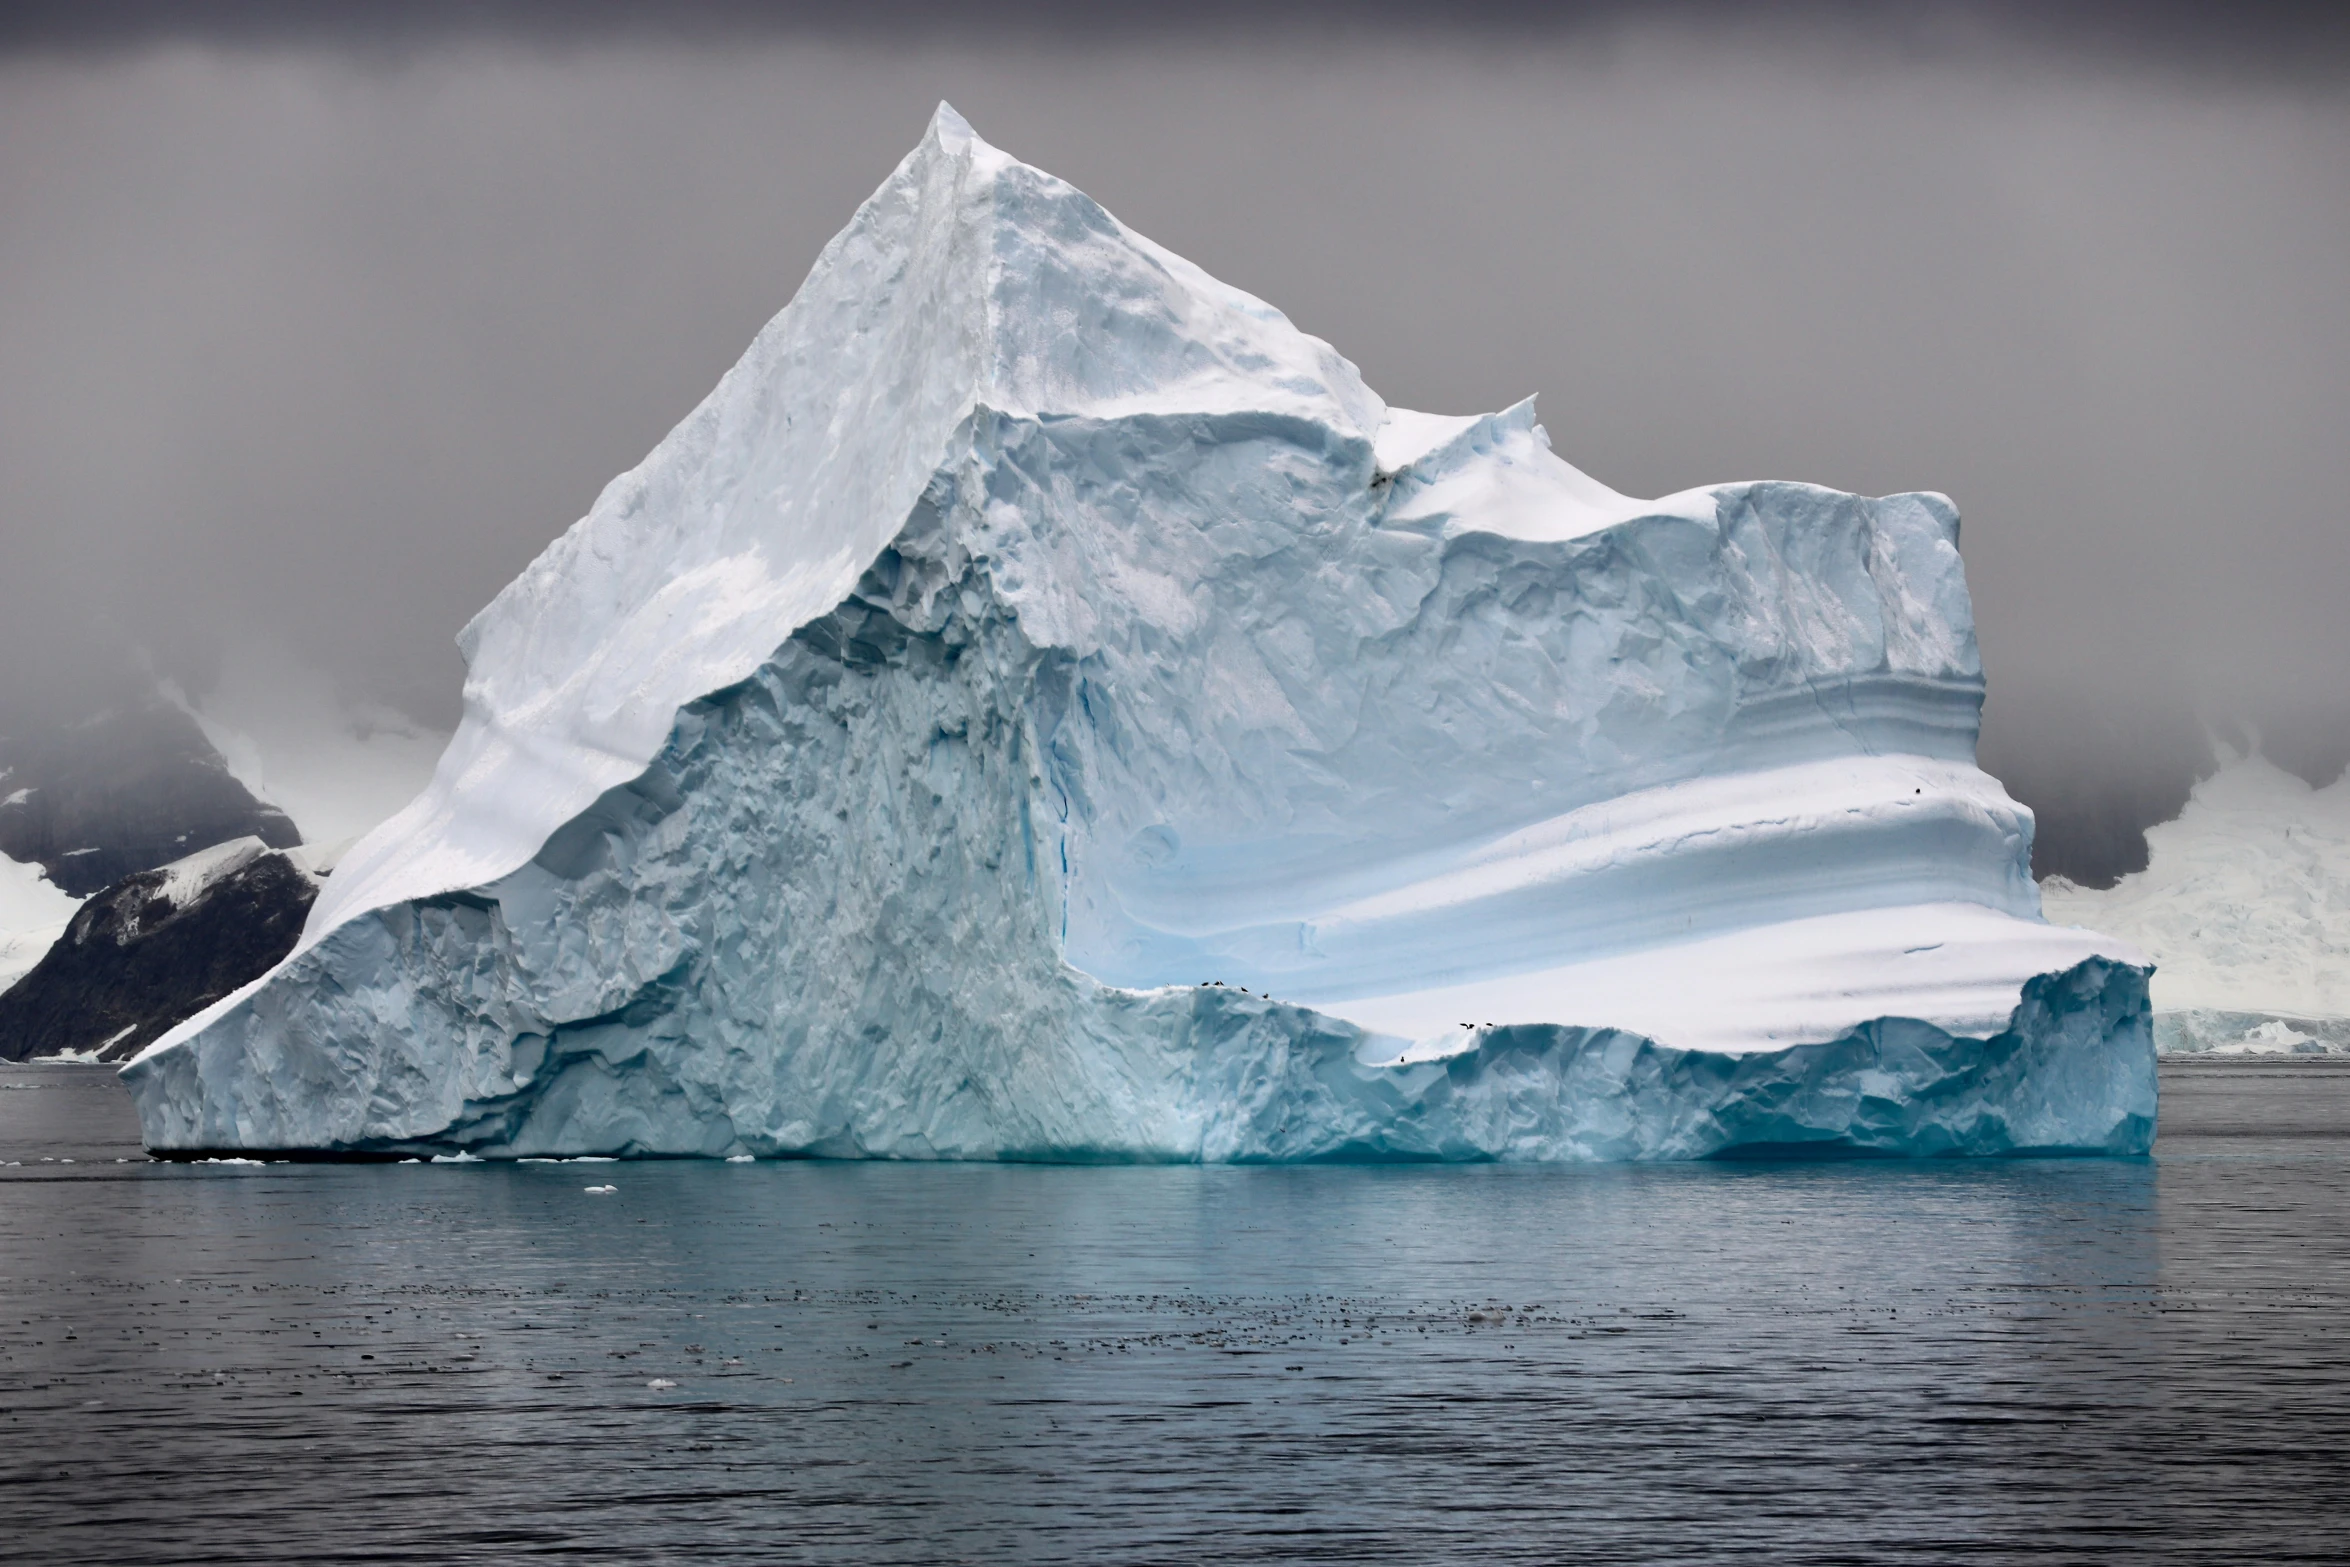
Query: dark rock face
{"points": [[137, 959], [134, 787]]}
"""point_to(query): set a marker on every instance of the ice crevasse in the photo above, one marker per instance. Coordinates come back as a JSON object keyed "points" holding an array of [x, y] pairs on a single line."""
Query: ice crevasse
{"points": [[1044, 705]]}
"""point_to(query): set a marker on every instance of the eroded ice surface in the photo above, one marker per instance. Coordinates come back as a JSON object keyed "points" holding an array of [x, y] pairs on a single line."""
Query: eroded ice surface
{"points": [[1042, 704]]}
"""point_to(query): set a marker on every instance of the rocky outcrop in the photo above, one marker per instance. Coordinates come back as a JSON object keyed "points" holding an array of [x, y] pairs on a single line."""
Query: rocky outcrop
{"points": [[155, 948]]}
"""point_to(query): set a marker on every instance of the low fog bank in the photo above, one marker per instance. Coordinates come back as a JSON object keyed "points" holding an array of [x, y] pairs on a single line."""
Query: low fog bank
{"points": [[316, 349]]}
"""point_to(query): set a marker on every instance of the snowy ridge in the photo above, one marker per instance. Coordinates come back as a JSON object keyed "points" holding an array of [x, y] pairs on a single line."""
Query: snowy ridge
{"points": [[185, 880], [1034, 652], [1495, 473]]}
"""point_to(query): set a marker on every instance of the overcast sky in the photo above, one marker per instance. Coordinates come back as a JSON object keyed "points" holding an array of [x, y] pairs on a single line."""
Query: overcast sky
{"points": [[317, 330]]}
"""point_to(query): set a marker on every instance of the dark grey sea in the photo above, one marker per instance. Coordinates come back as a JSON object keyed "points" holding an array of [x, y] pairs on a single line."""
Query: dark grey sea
{"points": [[2059, 1361]]}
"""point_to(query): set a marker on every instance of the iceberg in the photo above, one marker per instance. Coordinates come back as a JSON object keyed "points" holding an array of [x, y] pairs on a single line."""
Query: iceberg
{"points": [[1043, 705]]}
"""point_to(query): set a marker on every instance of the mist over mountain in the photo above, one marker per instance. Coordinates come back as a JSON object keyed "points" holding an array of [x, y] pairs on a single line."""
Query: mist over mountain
{"points": [[131, 785]]}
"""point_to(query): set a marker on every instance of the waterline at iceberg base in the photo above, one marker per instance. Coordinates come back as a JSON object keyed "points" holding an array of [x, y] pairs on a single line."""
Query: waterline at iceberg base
{"points": [[1042, 705]]}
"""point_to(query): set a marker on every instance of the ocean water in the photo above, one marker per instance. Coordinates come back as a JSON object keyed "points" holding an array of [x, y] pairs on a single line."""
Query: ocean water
{"points": [[2060, 1361]]}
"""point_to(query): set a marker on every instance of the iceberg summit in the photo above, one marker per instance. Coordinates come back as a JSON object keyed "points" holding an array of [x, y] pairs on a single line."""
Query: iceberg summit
{"points": [[1042, 705]]}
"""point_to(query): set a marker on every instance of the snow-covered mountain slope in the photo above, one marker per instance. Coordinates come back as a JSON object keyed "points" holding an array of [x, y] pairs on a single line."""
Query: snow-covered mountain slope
{"points": [[2244, 907], [1036, 656], [33, 913], [338, 769]]}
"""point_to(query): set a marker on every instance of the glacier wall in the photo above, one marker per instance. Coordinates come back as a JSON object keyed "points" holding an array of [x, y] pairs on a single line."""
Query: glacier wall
{"points": [[2245, 903], [1036, 658]]}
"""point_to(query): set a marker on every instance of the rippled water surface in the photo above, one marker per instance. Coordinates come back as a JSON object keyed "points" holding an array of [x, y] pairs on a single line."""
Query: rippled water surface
{"points": [[2060, 1361]]}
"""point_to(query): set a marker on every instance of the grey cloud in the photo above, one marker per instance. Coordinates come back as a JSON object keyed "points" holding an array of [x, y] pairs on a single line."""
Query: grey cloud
{"points": [[329, 345], [2274, 38]]}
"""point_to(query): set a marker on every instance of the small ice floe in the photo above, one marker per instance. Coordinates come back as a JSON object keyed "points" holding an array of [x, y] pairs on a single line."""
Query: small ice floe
{"points": [[456, 1158], [256, 1163], [660, 1384], [742, 1158], [599, 1191]]}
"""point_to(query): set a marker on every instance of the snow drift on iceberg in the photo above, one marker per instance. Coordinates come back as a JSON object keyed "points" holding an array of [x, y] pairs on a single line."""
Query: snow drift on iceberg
{"points": [[1044, 705]]}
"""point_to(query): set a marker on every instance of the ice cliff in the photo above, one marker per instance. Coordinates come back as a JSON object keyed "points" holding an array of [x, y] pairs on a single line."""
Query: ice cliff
{"points": [[1042, 704]]}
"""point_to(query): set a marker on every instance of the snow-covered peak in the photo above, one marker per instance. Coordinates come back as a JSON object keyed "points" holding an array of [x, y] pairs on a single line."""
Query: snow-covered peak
{"points": [[987, 379], [336, 767]]}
